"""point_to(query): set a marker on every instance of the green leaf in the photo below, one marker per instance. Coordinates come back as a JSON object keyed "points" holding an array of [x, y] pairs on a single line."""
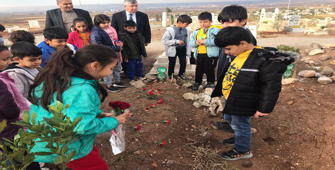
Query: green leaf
{"points": [[70, 156], [67, 106], [59, 105], [59, 160], [53, 110], [64, 150], [11, 156], [33, 119], [43, 153], [50, 122], [3, 125], [31, 136], [25, 116]]}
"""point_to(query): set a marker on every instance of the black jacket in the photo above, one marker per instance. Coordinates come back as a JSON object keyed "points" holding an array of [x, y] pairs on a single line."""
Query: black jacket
{"points": [[258, 84], [54, 17], [142, 22], [129, 48]]}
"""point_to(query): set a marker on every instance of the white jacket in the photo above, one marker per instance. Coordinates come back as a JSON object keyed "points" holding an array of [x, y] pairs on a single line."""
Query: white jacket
{"points": [[171, 43]]}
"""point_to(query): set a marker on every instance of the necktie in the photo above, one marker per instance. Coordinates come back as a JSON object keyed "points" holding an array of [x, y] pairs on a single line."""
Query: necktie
{"points": [[131, 17]]}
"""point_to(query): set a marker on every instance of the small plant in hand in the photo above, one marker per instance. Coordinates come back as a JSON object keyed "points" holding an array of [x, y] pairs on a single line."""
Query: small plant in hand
{"points": [[119, 107]]}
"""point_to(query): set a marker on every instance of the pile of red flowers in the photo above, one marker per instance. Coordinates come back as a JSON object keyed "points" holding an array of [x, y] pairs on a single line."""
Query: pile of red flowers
{"points": [[119, 107]]}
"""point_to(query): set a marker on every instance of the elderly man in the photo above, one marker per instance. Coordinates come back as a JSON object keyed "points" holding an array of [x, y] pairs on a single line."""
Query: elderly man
{"points": [[64, 15], [141, 19]]}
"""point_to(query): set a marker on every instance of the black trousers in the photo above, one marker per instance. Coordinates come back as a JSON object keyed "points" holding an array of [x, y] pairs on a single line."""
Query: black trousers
{"points": [[205, 65], [124, 67], [181, 53]]}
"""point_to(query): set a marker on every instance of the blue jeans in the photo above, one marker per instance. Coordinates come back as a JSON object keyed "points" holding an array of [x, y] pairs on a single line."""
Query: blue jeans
{"points": [[134, 66]]}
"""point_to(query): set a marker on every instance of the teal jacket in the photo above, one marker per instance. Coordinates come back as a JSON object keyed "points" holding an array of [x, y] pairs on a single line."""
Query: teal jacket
{"points": [[212, 49], [84, 102]]}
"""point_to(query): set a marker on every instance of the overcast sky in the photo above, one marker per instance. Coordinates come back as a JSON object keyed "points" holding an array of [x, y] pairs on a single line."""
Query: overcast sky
{"points": [[13, 3]]}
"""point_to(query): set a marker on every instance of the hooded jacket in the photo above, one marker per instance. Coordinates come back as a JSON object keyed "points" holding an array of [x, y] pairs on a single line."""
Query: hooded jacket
{"points": [[129, 48], [211, 48], [84, 101], [99, 36], [75, 39], [258, 84], [170, 42]]}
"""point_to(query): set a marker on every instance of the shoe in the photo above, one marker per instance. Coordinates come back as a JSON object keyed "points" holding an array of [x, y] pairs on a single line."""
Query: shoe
{"points": [[170, 77], [229, 142], [119, 84], [132, 82], [209, 85], [234, 154], [224, 126], [183, 77], [113, 89], [196, 86]]}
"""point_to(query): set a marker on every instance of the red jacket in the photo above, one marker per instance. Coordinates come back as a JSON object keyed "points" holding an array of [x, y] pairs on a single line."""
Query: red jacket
{"points": [[75, 39]]}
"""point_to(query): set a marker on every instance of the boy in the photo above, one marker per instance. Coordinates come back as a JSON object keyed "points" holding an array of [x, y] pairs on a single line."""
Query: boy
{"points": [[250, 84], [21, 35], [205, 50], [234, 16], [133, 50], [24, 69], [55, 38], [176, 40], [2, 29]]}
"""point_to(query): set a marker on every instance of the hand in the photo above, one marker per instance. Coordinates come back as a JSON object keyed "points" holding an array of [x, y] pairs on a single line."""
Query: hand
{"points": [[202, 41], [198, 42], [146, 44], [119, 43], [181, 43], [126, 61], [258, 114], [122, 118], [109, 114]]}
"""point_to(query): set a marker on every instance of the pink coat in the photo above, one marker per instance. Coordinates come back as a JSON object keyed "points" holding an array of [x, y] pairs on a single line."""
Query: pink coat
{"points": [[112, 38], [75, 39]]}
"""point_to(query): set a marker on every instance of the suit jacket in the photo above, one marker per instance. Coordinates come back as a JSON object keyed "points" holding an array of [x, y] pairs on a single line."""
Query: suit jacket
{"points": [[142, 21], [54, 17]]}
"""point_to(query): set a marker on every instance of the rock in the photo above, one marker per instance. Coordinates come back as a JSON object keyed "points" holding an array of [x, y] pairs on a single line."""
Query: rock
{"points": [[290, 102], [214, 127], [317, 68], [318, 75], [154, 165], [187, 85], [332, 62], [288, 81], [201, 88], [215, 100], [307, 73], [333, 78], [325, 80], [197, 104], [301, 89], [207, 99], [327, 71], [209, 91], [307, 50], [196, 97], [204, 103], [220, 109], [169, 163], [253, 130], [205, 134], [247, 164], [212, 109], [325, 57], [316, 46], [150, 77], [137, 84], [188, 96], [316, 51], [137, 152], [277, 157]]}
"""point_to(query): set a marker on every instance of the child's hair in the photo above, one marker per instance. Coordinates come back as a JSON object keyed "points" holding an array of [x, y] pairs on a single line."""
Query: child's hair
{"points": [[23, 49], [98, 19], [56, 76], [205, 16], [21, 35], [129, 23], [79, 19], [231, 36], [2, 28], [73, 28], [184, 19], [233, 12], [3, 48], [54, 32]]}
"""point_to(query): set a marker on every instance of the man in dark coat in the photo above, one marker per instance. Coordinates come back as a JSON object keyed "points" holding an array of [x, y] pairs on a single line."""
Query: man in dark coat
{"points": [[64, 15]]}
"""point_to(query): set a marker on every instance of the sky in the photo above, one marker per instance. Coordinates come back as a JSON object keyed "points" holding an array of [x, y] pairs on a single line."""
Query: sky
{"points": [[13, 3]]}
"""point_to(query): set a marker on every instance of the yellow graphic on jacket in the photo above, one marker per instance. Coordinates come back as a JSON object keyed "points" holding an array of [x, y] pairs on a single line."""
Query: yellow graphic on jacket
{"points": [[203, 35], [233, 71]]}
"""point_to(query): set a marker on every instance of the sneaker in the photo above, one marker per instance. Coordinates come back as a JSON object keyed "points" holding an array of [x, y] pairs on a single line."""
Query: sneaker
{"points": [[132, 82], [113, 89], [234, 154], [224, 126], [209, 85], [119, 84], [170, 77], [229, 142], [196, 86], [183, 77]]}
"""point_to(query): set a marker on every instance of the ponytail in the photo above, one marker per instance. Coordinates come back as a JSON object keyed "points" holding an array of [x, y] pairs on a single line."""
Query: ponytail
{"points": [[55, 76]]}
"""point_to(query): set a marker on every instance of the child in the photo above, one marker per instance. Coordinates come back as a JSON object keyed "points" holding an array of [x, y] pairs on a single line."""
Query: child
{"points": [[205, 50], [27, 59], [99, 35], [250, 84], [232, 15], [55, 38], [72, 79], [176, 44], [81, 36], [133, 50], [21, 35], [2, 29], [12, 102]]}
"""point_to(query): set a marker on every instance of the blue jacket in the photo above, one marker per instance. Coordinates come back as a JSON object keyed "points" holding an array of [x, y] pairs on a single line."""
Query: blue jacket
{"points": [[99, 36], [212, 49], [47, 51], [84, 102]]}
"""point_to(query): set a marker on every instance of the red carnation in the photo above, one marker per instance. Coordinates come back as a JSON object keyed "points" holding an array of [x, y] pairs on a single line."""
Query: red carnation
{"points": [[150, 85], [161, 144], [144, 88], [153, 105], [167, 121], [146, 109], [124, 105], [160, 101], [158, 89], [159, 92], [151, 93], [138, 127], [115, 105]]}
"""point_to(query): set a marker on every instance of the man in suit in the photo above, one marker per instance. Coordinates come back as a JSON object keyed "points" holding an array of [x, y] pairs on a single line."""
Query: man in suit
{"points": [[64, 15], [141, 19]]}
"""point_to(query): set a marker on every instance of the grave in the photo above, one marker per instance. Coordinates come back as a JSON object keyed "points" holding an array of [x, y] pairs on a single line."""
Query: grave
{"points": [[294, 20]]}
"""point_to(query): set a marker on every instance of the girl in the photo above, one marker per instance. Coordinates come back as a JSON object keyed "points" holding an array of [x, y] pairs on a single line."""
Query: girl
{"points": [[12, 102], [102, 33], [81, 36], [72, 79]]}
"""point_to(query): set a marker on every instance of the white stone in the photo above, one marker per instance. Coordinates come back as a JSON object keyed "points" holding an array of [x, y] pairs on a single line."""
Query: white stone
{"points": [[207, 99], [188, 96], [325, 80], [196, 97], [288, 81], [316, 46], [215, 100], [197, 104], [209, 91], [137, 84], [187, 85], [307, 73], [325, 57], [316, 51], [327, 71], [253, 130]]}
